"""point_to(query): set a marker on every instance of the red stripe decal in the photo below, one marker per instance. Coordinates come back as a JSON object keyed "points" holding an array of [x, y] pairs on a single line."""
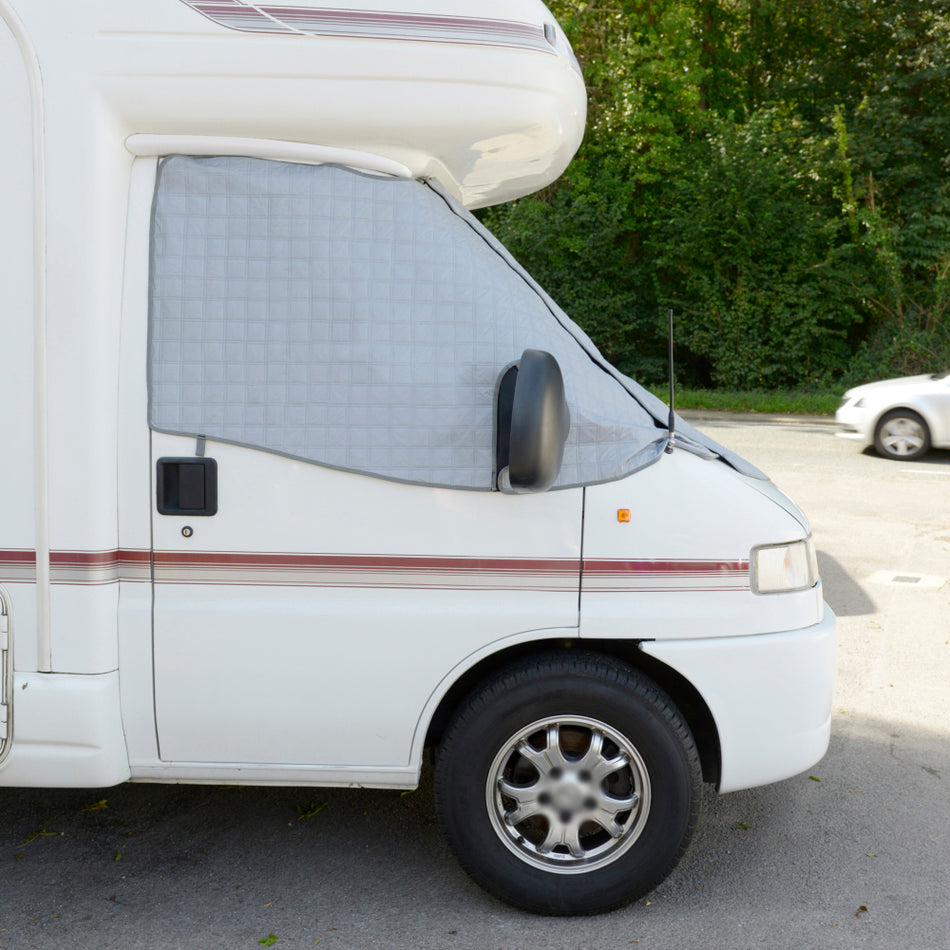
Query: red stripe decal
{"points": [[367, 562], [665, 566], [396, 571], [91, 559]]}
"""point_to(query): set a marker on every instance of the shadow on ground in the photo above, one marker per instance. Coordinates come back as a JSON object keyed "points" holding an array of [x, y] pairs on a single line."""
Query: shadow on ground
{"points": [[845, 596]]}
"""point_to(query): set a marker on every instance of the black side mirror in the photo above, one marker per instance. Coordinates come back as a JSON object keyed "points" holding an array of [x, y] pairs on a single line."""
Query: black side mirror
{"points": [[532, 423]]}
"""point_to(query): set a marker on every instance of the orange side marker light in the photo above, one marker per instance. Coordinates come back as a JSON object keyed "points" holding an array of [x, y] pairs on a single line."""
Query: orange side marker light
{"points": [[623, 515]]}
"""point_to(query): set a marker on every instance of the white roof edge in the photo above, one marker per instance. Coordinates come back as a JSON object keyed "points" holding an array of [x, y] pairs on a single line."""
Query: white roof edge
{"points": [[149, 145]]}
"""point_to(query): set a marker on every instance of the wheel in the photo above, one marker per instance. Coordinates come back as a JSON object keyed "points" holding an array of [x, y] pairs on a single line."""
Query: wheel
{"points": [[568, 783], [902, 434]]}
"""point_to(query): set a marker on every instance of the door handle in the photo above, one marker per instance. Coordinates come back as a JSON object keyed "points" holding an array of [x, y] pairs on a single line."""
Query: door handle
{"points": [[187, 486]]}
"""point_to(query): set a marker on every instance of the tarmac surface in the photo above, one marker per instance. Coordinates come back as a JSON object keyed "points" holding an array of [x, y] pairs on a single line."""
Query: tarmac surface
{"points": [[855, 853]]}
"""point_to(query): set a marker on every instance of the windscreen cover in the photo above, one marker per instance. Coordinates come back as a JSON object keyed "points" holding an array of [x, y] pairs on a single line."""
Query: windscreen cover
{"points": [[362, 322]]}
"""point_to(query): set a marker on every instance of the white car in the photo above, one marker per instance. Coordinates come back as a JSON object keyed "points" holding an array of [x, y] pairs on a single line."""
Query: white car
{"points": [[902, 418]]}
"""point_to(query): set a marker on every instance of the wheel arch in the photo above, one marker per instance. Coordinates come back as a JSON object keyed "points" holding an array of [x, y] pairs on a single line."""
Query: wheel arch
{"points": [[924, 412], [686, 697]]}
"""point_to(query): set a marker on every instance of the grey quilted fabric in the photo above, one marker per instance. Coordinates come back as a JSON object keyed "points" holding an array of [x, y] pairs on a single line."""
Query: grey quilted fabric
{"points": [[361, 322]]}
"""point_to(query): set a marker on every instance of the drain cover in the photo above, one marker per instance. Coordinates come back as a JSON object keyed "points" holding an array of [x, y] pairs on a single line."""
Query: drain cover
{"points": [[920, 581]]}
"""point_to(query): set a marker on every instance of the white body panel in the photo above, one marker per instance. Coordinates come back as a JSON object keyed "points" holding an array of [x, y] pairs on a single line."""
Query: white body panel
{"points": [[17, 367], [679, 568], [676, 578], [308, 631]]}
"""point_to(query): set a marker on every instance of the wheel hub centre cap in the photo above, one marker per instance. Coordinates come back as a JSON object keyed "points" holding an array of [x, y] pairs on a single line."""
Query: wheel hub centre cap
{"points": [[567, 795]]}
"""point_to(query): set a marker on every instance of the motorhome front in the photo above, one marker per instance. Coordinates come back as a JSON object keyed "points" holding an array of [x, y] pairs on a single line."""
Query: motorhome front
{"points": [[305, 474]]}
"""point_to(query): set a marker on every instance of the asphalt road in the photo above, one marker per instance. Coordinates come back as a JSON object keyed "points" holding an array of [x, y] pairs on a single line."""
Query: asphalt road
{"points": [[853, 854]]}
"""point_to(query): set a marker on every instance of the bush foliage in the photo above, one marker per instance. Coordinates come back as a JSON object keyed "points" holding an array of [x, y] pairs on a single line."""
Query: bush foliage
{"points": [[775, 171]]}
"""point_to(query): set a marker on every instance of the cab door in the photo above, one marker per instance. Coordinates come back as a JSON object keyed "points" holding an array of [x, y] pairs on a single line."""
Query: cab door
{"points": [[308, 619], [304, 613]]}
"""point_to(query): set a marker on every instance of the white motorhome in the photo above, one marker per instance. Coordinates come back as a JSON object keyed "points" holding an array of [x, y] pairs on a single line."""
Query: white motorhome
{"points": [[304, 474]]}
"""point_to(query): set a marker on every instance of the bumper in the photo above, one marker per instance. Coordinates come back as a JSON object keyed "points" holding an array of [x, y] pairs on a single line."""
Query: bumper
{"points": [[770, 696], [67, 732], [854, 424]]}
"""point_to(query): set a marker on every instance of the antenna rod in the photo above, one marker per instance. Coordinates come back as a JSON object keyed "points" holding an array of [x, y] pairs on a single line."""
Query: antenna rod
{"points": [[672, 421]]}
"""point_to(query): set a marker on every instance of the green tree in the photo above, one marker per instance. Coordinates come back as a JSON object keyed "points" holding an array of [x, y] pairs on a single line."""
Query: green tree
{"points": [[751, 256], [776, 170]]}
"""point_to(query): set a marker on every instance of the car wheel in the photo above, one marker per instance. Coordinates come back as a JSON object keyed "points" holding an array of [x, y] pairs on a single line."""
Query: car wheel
{"points": [[568, 784], [902, 434]]}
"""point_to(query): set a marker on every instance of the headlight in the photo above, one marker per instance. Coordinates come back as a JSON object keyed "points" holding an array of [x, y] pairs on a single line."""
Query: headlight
{"points": [[779, 568]]}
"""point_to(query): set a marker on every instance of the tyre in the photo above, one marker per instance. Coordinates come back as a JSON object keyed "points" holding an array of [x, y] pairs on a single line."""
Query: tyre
{"points": [[568, 783], [902, 434]]}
